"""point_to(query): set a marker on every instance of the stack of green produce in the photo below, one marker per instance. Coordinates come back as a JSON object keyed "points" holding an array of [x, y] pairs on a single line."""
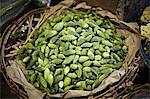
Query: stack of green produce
{"points": [[75, 50]]}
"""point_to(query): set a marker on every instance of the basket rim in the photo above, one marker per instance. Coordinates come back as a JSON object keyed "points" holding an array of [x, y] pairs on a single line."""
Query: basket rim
{"points": [[11, 25]]}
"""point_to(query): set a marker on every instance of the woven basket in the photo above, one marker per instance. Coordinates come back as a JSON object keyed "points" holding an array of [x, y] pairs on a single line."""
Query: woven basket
{"points": [[35, 19]]}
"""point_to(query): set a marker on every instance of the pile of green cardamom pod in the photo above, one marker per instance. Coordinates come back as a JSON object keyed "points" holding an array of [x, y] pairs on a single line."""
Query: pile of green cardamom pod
{"points": [[73, 51]]}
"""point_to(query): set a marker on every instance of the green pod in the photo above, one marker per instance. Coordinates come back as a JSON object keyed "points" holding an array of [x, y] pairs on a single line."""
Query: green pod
{"points": [[39, 68], [58, 78], [107, 43], [90, 74], [38, 41], [96, 63], [83, 58], [72, 75], [34, 54], [41, 62], [118, 65], [109, 70], [103, 76], [76, 58], [47, 51], [72, 46], [61, 90], [36, 84], [88, 81], [54, 39], [46, 73], [67, 81], [68, 60], [109, 32], [97, 52], [46, 61], [56, 51], [101, 48], [98, 57], [107, 49], [95, 45], [56, 87], [53, 56], [95, 39], [30, 46], [115, 48], [57, 72], [84, 51], [43, 81], [121, 54], [69, 52], [81, 40], [108, 65], [91, 24], [68, 38], [58, 18], [61, 84], [78, 30], [78, 84], [96, 83], [32, 78], [73, 66], [87, 69], [89, 87], [49, 33], [83, 84], [52, 23], [74, 42], [85, 33], [78, 48], [71, 23], [51, 45], [86, 45], [125, 48], [116, 57], [41, 55], [68, 88], [104, 61], [85, 75], [66, 70], [51, 67], [50, 79], [66, 18], [61, 56], [43, 48], [79, 72], [118, 42], [72, 32], [31, 63], [83, 24], [100, 33], [58, 26], [95, 70], [88, 38], [99, 22], [56, 61], [78, 52], [105, 55], [103, 68], [26, 59], [87, 63], [71, 29], [90, 54]]}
